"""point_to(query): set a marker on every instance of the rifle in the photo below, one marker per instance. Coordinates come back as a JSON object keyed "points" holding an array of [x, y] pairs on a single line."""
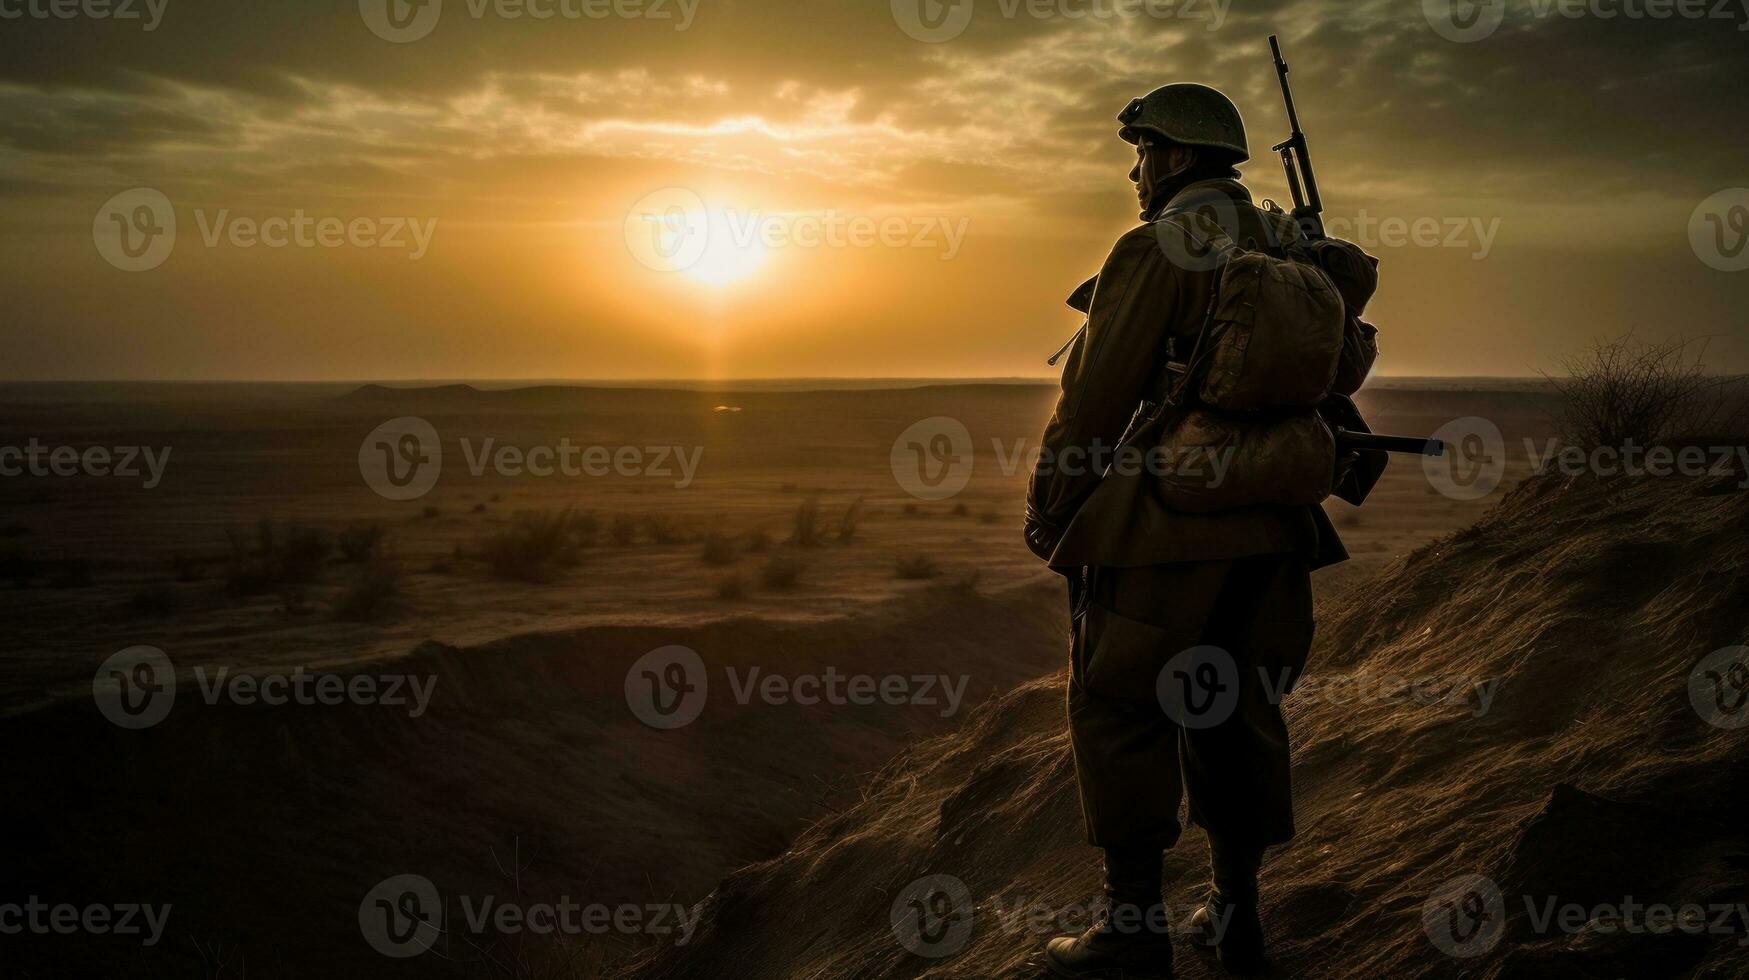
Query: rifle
{"points": [[1352, 434], [1297, 160]]}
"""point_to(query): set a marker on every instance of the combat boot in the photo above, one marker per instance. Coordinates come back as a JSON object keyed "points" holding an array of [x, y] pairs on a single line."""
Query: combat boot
{"points": [[1229, 923], [1129, 940]]}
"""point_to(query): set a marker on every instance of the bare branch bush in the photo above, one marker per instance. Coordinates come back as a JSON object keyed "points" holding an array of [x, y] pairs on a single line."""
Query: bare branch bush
{"points": [[1631, 391]]}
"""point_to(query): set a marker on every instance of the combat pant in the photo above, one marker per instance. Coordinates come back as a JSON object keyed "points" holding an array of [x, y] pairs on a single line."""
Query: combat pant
{"points": [[1148, 724]]}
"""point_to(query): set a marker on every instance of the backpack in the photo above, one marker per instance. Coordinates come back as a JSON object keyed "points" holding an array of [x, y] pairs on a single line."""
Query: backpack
{"points": [[1275, 342]]}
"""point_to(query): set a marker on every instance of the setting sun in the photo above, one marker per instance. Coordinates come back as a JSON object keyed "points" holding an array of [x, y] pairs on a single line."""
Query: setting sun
{"points": [[673, 231]]}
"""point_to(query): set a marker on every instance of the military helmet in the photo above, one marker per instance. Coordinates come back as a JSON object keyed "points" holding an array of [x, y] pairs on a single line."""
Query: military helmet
{"points": [[1187, 113]]}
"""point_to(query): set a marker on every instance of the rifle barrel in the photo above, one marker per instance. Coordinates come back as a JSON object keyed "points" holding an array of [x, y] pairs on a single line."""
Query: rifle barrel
{"points": [[1347, 441]]}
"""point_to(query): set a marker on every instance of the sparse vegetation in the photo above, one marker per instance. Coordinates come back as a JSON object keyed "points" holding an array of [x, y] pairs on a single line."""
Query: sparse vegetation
{"points": [[623, 531], [430, 510], [848, 523], [758, 540], [915, 567], [805, 531], [961, 510], [719, 549], [536, 545], [1629, 391]]}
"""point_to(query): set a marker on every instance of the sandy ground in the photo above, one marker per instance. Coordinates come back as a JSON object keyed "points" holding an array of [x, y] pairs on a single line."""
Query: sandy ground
{"points": [[240, 454], [250, 817]]}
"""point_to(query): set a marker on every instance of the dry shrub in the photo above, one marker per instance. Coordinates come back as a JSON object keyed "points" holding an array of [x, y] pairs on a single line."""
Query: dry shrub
{"points": [[719, 549], [537, 545], [1630, 391], [848, 523], [806, 529]]}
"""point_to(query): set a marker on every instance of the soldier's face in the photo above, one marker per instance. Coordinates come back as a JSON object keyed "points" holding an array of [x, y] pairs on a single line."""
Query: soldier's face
{"points": [[1157, 162]]}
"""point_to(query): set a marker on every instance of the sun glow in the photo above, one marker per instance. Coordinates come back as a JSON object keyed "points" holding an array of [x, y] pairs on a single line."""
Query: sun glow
{"points": [[673, 231]]}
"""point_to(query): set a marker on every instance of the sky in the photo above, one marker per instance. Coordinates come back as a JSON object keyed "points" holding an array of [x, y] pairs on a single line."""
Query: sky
{"points": [[621, 189]]}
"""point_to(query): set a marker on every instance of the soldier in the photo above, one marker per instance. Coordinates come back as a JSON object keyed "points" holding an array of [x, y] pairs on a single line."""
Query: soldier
{"points": [[1147, 582]]}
